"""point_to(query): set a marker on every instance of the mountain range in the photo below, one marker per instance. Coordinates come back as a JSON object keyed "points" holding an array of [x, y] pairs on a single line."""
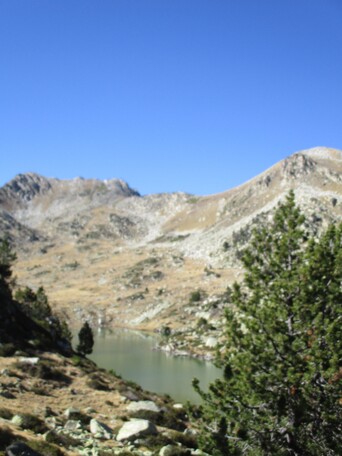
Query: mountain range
{"points": [[104, 252]]}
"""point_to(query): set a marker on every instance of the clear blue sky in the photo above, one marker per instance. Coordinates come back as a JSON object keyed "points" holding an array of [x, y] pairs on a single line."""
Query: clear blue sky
{"points": [[169, 95]]}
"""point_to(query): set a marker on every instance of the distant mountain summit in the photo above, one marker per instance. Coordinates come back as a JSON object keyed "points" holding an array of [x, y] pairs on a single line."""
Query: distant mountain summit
{"points": [[99, 246], [25, 188]]}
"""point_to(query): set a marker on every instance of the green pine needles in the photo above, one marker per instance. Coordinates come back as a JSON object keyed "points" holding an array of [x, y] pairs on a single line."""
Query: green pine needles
{"points": [[281, 389], [86, 340]]}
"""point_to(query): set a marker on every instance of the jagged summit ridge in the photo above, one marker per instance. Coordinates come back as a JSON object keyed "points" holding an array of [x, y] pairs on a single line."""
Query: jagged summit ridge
{"points": [[25, 189]]}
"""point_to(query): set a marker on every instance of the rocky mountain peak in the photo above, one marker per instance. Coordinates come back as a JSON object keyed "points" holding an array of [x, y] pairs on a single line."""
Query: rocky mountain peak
{"points": [[121, 187], [23, 188], [298, 165], [323, 153]]}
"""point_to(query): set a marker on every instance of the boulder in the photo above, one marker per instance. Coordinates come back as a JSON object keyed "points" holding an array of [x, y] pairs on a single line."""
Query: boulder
{"points": [[17, 420], [146, 406], [136, 428], [211, 342], [33, 361], [100, 429], [73, 425]]}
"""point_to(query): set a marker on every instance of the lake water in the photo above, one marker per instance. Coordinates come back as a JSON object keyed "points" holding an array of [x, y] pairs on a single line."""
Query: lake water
{"points": [[130, 354]]}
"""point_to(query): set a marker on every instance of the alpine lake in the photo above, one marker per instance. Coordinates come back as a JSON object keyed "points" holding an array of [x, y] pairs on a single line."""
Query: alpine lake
{"points": [[133, 355]]}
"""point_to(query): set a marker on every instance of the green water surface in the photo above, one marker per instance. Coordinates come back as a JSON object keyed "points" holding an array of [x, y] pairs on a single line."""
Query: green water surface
{"points": [[131, 354]]}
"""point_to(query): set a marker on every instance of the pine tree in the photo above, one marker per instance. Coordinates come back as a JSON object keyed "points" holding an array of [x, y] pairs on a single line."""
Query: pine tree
{"points": [[34, 304], [7, 257], [86, 340], [281, 387]]}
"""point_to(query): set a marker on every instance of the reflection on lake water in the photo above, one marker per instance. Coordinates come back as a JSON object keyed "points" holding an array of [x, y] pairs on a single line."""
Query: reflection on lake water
{"points": [[131, 355]]}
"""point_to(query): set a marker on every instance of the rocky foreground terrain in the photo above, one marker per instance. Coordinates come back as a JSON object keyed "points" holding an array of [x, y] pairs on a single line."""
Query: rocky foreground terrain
{"points": [[56, 405], [105, 253]]}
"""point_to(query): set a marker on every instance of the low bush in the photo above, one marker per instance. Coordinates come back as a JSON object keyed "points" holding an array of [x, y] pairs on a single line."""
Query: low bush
{"points": [[45, 448], [5, 413], [7, 349], [195, 296], [186, 440], [33, 423], [60, 439]]}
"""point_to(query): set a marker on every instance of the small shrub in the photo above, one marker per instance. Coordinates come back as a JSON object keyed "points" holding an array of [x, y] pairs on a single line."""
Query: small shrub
{"points": [[226, 246], [113, 373], [186, 440], [165, 331], [7, 349], [5, 413], [202, 322], [45, 448], [76, 360], [32, 423], [195, 296]]}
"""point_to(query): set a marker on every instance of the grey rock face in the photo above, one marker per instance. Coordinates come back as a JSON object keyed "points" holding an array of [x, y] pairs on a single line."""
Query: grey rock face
{"points": [[25, 187], [136, 428]]}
